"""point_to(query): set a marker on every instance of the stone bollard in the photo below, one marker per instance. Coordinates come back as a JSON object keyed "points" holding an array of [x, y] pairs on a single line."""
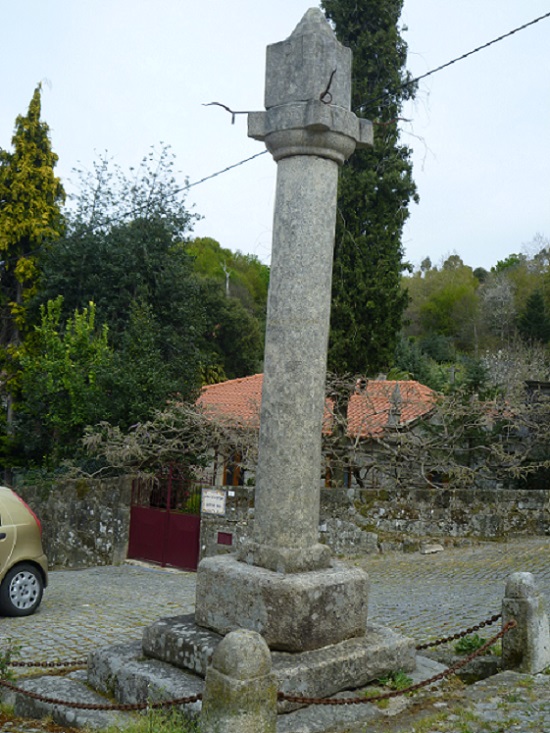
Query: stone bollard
{"points": [[240, 695], [525, 648]]}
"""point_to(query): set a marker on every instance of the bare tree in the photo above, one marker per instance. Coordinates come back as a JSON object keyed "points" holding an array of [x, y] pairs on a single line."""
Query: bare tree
{"points": [[397, 435]]}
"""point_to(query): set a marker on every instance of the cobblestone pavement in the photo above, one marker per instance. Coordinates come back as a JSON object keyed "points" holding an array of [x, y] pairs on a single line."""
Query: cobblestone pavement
{"points": [[84, 609], [424, 596]]}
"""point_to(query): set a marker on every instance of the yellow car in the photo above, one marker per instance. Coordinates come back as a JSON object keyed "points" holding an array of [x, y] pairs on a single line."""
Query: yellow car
{"points": [[23, 564]]}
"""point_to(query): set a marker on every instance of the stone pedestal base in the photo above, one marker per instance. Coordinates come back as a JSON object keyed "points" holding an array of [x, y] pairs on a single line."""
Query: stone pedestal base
{"points": [[292, 611], [319, 673]]}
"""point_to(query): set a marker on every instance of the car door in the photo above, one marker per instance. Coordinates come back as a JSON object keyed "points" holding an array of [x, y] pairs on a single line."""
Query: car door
{"points": [[8, 533]]}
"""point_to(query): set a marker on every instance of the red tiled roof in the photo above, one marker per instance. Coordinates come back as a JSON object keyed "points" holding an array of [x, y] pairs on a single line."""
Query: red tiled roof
{"points": [[369, 409], [238, 400]]}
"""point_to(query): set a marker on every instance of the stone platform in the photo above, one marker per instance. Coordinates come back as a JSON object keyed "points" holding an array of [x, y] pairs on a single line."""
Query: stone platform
{"points": [[349, 664], [121, 673]]}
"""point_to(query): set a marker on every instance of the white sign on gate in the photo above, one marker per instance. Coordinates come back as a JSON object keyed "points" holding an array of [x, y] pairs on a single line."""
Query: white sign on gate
{"points": [[213, 501]]}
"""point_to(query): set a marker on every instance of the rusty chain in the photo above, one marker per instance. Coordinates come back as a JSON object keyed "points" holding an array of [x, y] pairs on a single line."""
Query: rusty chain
{"points": [[460, 634], [128, 707], [73, 663], [102, 706], [396, 693]]}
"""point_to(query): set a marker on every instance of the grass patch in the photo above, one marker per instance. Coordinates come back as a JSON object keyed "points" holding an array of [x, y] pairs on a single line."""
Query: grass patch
{"points": [[469, 644], [396, 681], [159, 721]]}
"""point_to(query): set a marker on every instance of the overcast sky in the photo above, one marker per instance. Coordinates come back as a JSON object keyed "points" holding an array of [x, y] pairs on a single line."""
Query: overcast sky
{"points": [[124, 75]]}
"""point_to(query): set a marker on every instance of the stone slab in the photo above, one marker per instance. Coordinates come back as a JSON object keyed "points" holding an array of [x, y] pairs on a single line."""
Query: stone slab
{"points": [[294, 612], [179, 641], [63, 688], [315, 673], [348, 665], [123, 672]]}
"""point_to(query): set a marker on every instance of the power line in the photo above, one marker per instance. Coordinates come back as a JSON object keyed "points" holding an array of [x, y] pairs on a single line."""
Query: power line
{"points": [[365, 104], [190, 185], [219, 173], [456, 60], [480, 48]]}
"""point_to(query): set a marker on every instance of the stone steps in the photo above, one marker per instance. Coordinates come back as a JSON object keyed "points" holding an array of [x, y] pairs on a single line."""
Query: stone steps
{"points": [[171, 660], [320, 672], [71, 689], [124, 672], [116, 674]]}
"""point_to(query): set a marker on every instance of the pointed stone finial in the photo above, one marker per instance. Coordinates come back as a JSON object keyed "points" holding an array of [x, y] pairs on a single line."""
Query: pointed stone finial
{"points": [[313, 21], [307, 63], [396, 400]]}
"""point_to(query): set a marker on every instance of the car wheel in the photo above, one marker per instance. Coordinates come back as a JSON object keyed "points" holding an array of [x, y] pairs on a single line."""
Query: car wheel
{"points": [[21, 591]]}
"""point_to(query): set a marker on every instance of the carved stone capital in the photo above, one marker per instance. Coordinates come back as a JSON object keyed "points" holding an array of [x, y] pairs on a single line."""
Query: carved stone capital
{"points": [[310, 128]]}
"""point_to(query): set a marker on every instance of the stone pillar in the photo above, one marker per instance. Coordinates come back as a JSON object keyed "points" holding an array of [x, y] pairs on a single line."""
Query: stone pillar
{"points": [[240, 694], [310, 131], [525, 648]]}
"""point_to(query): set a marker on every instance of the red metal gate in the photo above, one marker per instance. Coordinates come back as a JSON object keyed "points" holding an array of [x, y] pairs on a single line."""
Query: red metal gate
{"points": [[165, 519]]}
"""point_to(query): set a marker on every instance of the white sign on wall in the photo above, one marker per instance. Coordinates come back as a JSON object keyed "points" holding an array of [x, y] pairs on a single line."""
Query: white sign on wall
{"points": [[213, 501]]}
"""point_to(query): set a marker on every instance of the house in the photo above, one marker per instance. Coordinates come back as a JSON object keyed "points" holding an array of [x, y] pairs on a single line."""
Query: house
{"points": [[357, 417]]}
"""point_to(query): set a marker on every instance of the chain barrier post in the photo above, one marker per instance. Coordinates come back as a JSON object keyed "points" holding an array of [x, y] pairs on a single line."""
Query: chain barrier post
{"points": [[240, 695], [527, 647]]}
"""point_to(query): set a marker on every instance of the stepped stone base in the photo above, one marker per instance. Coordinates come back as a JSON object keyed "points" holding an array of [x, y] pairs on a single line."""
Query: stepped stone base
{"points": [[317, 673], [121, 671], [109, 671], [292, 611], [71, 690]]}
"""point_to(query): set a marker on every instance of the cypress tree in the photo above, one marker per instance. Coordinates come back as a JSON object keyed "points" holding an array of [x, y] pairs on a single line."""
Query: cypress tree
{"points": [[376, 187], [30, 217]]}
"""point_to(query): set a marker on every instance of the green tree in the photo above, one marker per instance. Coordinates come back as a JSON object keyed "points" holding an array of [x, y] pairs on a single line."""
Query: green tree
{"points": [[123, 251], [233, 341], [30, 218], [534, 321], [234, 294], [141, 378], [61, 388], [412, 362], [376, 187], [524, 275], [445, 303], [243, 276], [30, 215]]}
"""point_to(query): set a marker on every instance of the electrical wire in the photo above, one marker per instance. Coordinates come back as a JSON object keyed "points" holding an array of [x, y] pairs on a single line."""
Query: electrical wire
{"points": [[411, 82], [403, 86], [219, 173]]}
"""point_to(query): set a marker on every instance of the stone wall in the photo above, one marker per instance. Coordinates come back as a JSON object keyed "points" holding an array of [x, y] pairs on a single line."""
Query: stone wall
{"points": [[370, 520], [453, 513], [84, 523], [87, 523]]}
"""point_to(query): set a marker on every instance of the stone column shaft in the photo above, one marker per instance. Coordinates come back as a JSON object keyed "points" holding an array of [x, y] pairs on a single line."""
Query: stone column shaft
{"points": [[527, 647], [293, 399], [310, 130]]}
